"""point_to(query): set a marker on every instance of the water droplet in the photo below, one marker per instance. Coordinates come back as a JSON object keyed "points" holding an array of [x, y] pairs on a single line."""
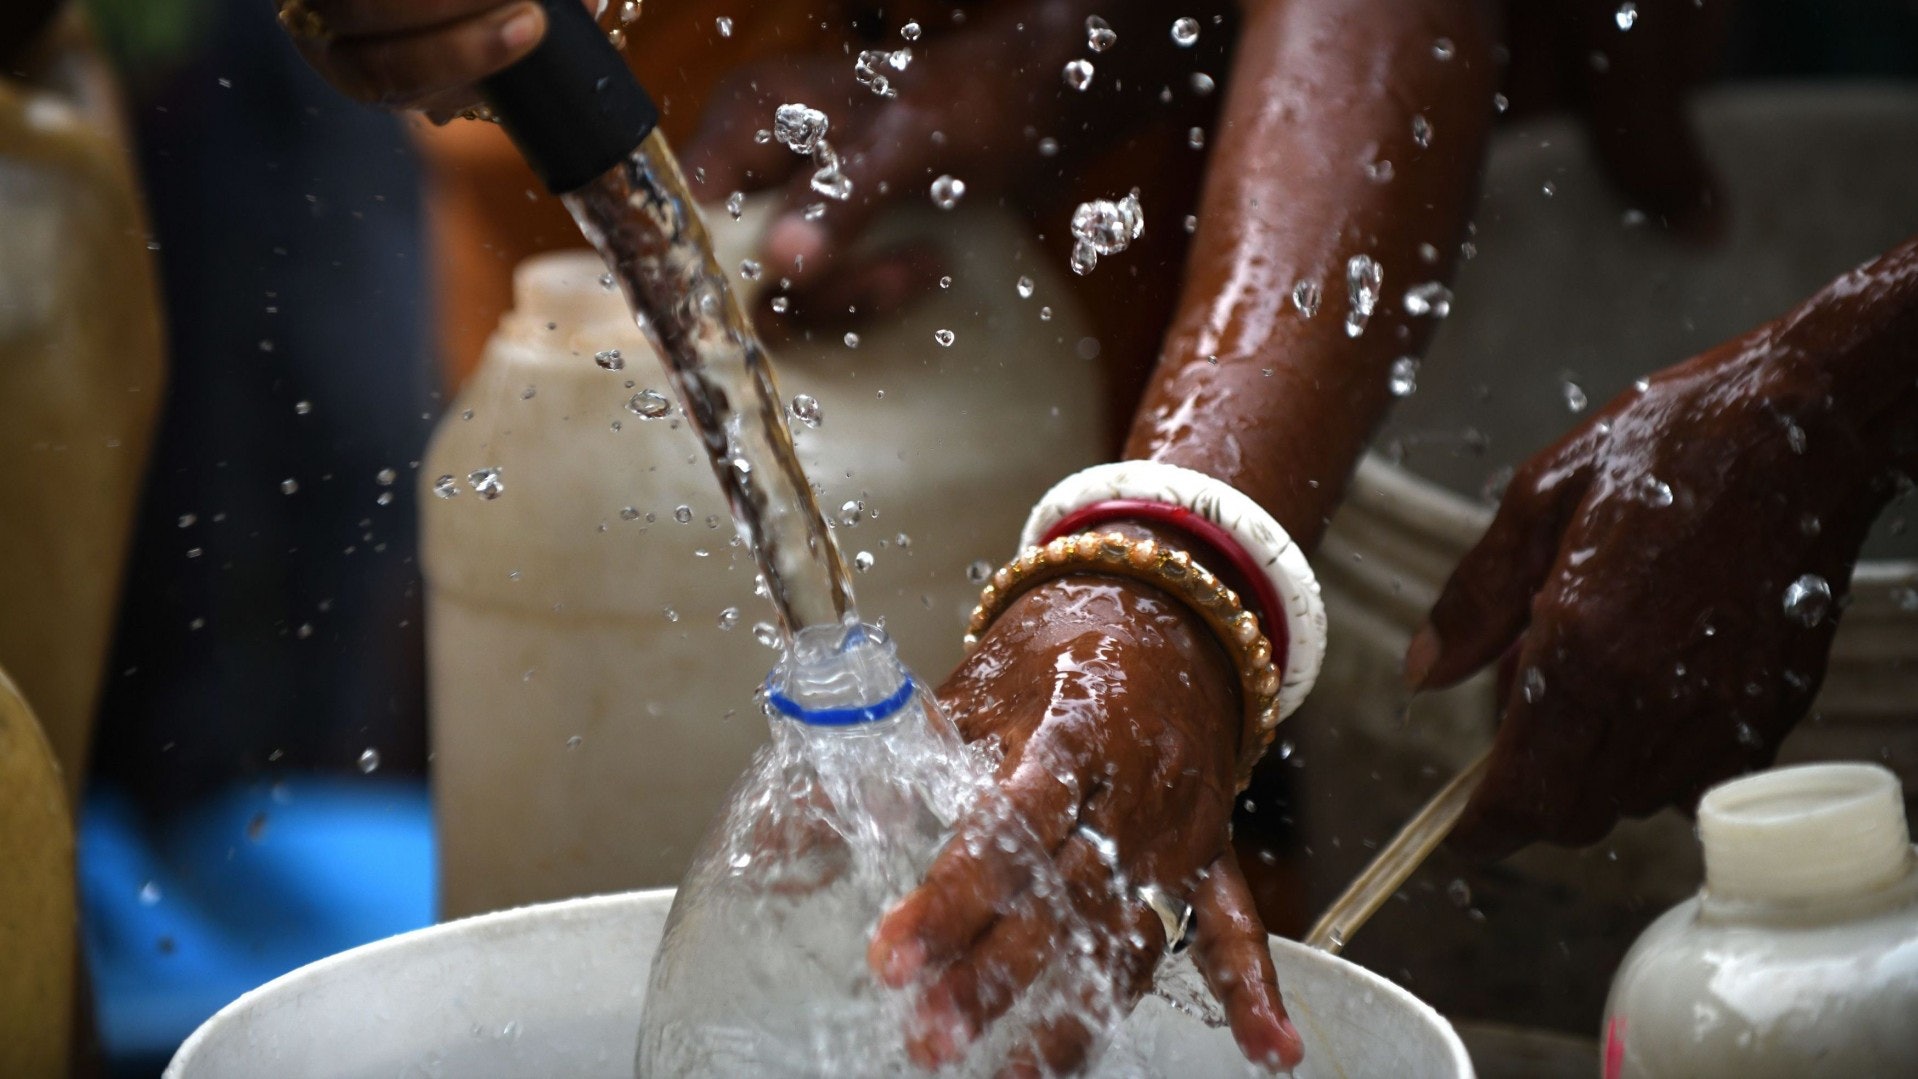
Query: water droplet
{"points": [[446, 486], [1048, 146], [1795, 437], [289, 486], [799, 127], [867, 71], [830, 181], [1099, 34], [1443, 49], [945, 282], [1627, 15], [1195, 138], [862, 561], [1363, 280], [1202, 83], [187, 520], [1655, 492], [749, 269], [1421, 131], [606, 282], [650, 405], [1905, 597], [1405, 376], [1104, 227], [910, 31], [978, 571], [1807, 599], [1500, 103], [736, 204], [1023, 287], [1459, 892], [149, 893], [610, 360], [369, 760], [1078, 74], [728, 618], [1548, 188], [1045, 314], [1379, 172], [683, 514], [1532, 685], [724, 25], [1574, 395], [301, 408], [486, 483], [944, 338], [765, 634], [1185, 32], [947, 191], [385, 477], [849, 512], [851, 339], [1431, 298], [780, 305], [1306, 297], [1191, 224]]}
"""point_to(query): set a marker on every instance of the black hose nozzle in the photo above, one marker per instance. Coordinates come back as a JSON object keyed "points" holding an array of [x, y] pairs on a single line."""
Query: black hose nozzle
{"points": [[571, 105]]}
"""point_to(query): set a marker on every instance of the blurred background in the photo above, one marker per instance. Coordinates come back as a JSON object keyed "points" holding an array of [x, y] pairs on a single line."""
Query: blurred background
{"points": [[266, 298]]}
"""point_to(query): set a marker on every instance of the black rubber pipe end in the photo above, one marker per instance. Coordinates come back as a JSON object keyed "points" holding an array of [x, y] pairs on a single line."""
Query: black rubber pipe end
{"points": [[571, 105]]}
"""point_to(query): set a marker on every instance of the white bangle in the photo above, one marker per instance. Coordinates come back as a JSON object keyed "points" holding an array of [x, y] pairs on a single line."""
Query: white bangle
{"points": [[1262, 537]]}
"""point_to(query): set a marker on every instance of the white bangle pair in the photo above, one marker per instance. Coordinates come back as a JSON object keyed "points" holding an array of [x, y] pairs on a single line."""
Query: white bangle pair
{"points": [[1261, 537]]}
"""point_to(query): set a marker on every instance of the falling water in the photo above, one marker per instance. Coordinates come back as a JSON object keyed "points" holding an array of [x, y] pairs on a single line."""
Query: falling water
{"points": [[641, 218]]}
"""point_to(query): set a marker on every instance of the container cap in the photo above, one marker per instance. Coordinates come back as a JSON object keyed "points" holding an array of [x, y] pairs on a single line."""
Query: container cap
{"points": [[1816, 831]]}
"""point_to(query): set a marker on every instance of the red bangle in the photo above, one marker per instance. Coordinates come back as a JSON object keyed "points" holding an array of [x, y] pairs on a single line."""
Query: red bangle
{"points": [[1217, 547]]}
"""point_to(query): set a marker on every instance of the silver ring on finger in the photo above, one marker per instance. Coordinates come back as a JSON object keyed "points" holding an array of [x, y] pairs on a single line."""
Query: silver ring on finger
{"points": [[1175, 915]]}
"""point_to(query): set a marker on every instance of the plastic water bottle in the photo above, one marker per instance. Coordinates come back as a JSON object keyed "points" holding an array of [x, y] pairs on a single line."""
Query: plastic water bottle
{"points": [[762, 970]]}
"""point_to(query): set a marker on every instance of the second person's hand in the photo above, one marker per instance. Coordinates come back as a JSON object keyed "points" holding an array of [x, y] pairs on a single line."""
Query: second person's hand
{"points": [[1664, 583]]}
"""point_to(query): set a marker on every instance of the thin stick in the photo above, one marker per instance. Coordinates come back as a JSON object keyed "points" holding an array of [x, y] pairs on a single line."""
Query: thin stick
{"points": [[1396, 861]]}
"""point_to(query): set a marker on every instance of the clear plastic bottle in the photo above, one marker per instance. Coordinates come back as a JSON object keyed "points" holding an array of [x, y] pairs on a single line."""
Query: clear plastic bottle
{"points": [[762, 968], [1800, 956]]}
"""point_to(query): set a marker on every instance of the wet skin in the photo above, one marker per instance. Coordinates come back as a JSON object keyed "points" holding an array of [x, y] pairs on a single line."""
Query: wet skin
{"points": [[1105, 682], [1649, 651]]}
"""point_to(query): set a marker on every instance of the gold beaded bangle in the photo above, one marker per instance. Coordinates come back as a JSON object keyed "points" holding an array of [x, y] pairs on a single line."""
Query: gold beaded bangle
{"points": [[1171, 571]]}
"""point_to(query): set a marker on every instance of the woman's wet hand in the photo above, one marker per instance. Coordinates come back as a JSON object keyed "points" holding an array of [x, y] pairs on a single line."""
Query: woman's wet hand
{"points": [[1118, 717], [1663, 585], [413, 54]]}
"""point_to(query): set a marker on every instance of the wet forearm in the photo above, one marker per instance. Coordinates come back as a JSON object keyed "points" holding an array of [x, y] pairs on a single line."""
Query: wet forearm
{"points": [[1324, 94]]}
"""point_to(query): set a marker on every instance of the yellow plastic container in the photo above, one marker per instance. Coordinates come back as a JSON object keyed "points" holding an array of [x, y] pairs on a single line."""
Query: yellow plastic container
{"points": [[81, 381]]}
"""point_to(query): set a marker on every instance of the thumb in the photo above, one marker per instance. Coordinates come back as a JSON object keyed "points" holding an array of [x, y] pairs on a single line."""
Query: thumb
{"points": [[1487, 601]]}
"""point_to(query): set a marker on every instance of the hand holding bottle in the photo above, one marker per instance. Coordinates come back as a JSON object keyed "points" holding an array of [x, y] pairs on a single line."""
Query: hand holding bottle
{"points": [[1666, 580], [1117, 715]]}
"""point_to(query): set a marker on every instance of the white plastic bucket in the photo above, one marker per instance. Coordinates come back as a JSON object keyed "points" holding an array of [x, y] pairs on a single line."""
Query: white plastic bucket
{"points": [[557, 990]]}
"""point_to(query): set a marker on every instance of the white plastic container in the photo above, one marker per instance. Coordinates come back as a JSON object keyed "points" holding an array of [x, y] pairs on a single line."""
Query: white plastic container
{"points": [[1800, 956], [590, 698], [1815, 182], [557, 990]]}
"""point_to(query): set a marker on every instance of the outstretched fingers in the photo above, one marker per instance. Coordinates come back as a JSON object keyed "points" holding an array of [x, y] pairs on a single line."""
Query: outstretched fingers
{"points": [[982, 870], [1487, 601]]}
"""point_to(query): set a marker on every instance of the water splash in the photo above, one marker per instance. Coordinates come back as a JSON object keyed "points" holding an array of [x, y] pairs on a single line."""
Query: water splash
{"points": [[1808, 600], [1364, 279]]}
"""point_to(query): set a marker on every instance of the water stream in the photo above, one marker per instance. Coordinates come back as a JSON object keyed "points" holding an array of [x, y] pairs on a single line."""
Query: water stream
{"points": [[642, 219]]}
